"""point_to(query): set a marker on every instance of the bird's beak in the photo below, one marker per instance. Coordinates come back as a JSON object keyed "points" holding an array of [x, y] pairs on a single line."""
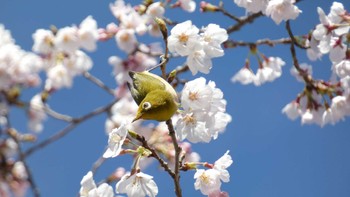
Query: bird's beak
{"points": [[138, 116]]}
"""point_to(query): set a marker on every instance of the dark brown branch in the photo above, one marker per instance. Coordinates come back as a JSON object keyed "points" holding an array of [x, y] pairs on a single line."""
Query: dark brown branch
{"points": [[177, 158], [307, 78], [233, 43], [33, 185], [155, 155], [226, 13], [75, 122], [244, 21]]}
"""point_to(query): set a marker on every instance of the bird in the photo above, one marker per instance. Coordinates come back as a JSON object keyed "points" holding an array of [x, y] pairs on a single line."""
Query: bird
{"points": [[155, 97]]}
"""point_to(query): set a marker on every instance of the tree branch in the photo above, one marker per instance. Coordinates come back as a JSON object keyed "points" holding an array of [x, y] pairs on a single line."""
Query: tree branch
{"points": [[244, 21], [226, 13], [13, 134], [307, 78], [57, 115], [233, 43], [98, 82], [177, 158], [155, 155], [75, 122]]}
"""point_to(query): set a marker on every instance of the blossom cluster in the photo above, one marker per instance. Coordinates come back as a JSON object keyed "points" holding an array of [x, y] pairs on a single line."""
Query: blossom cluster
{"points": [[199, 46], [269, 70], [89, 189], [209, 181], [138, 21], [278, 10], [137, 183], [138, 61], [61, 52], [14, 177], [156, 137], [329, 37], [17, 67], [123, 110], [133, 22], [203, 116]]}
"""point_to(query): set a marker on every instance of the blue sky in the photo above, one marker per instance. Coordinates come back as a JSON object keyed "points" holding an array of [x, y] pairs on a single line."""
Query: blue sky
{"points": [[273, 156]]}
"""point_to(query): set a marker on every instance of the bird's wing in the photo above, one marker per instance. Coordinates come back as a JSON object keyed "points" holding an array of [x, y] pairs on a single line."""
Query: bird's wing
{"points": [[134, 93]]}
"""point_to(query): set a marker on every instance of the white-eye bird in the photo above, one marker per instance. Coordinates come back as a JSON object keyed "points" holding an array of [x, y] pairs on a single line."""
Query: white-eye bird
{"points": [[156, 98]]}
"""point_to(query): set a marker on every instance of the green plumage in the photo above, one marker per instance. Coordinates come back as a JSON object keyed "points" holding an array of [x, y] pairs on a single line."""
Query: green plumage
{"points": [[156, 98], [162, 105], [142, 84]]}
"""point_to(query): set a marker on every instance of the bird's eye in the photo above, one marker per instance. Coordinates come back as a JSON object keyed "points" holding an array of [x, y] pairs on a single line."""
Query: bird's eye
{"points": [[146, 105]]}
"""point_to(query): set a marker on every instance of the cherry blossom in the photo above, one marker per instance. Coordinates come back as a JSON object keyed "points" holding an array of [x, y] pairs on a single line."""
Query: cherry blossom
{"points": [[137, 185], [292, 110], [88, 33], [204, 114], [67, 39], [36, 113], [118, 8], [221, 164], [253, 6], [123, 110], [58, 77], [199, 61], [19, 171], [282, 10], [207, 181], [186, 40], [115, 141], [183, 37], [345, 84], [212, 38], [43, 41], [269, 70], [89, 189], [126, 40], [244, 76], [342, 68], [187, 5], [17, 67], [5, 37]]}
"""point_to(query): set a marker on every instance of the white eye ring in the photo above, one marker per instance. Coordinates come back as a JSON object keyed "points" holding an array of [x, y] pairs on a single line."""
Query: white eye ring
{"points": [[146, 105]]}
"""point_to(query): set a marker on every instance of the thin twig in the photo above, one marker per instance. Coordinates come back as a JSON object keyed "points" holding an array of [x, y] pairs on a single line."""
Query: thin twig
{"points": [[155, 155], [177, 158], [34, 187], [97, 164], [233, 43], [307, 78], [182, 69], [226, 13], [57, 115], [243, 21], [98, 82], [75, 122]]}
